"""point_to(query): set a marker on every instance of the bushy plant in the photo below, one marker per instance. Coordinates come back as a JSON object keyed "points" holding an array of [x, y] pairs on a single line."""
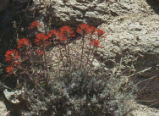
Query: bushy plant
{"points": [[63, 83], [73, 80]]}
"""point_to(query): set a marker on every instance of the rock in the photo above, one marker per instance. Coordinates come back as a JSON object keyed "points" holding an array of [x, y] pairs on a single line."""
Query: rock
{"points": [[94, 12], [12, 96], [142, 113], [96, 64], [141, 110], [73, 12], [3, 109]]}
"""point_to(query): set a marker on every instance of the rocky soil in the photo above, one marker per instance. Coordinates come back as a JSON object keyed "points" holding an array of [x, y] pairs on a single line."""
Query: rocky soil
{"points": [[132, 38]]}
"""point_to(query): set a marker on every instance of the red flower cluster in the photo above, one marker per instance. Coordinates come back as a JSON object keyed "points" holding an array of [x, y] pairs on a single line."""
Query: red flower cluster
{"points": [[99, 32], [92, 29], [24, 42], [64, 33], [61, 37], [67, 31], [52, 33], [34, 24], [11, 55], [83, 29], [95, 43], [40, 38], [9, 69]]}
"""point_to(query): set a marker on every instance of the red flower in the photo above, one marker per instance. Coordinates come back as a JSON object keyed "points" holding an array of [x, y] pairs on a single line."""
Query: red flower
{"points": [[11, 55], [39, 52], [52, 33], [83, 29], [9, 69], [92, 29], [61, 37], [95, 43], [34, 24], [40, 38], [99, 32], [67, 31], [24, 42]]}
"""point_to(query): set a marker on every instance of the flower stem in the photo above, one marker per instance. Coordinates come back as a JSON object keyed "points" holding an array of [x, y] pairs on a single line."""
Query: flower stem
{"points": [[45, 64], [82, 50]]}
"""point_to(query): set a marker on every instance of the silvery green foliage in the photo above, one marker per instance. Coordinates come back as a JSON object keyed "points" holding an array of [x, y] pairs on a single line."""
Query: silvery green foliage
{"points": [[80, 93]]}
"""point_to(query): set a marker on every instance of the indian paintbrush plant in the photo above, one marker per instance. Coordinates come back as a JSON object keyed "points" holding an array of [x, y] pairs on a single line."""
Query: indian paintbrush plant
{"points": [[23, 60], [64, 84]]}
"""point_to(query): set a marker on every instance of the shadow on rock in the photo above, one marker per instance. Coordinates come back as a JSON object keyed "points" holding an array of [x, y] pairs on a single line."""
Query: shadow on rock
{"points": [[154, 5], [10, 16]]}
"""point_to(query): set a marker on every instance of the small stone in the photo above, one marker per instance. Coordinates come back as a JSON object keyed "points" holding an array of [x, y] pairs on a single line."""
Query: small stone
{"points": [[12, 96], [96, 64]]}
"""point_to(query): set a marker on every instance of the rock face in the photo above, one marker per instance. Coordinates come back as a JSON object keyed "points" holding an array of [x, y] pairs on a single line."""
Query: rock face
{"points": [[94, 12], [76, 11]]}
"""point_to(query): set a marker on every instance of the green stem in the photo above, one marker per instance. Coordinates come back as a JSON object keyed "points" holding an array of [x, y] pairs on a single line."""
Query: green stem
{"points": [[82, 50], [61, 56], [69, 58], [93, 55], [67, 55], [45, 64]]}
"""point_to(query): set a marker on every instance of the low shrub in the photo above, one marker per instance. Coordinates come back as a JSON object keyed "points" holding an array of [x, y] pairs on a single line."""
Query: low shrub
{"points": [[65, 83]]}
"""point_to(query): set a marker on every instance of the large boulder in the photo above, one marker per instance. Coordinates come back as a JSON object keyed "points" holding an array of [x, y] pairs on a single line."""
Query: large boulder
{"points": [[94, 12]]}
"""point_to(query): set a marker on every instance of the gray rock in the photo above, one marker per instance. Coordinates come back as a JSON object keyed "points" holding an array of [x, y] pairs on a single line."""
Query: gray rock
{"points": [[96, 64], [143, 113], [3, 109], [94, 12], [73, 12], [12, 96]]}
